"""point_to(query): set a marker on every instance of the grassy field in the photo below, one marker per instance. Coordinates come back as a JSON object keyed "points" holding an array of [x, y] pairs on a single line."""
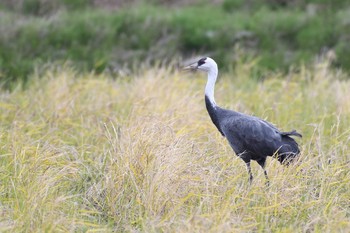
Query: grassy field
{"points": [[83, 152]]}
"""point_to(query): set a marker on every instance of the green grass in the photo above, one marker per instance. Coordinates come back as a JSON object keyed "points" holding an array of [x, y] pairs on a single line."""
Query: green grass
{"points": [[95, 39], [84, 152]]}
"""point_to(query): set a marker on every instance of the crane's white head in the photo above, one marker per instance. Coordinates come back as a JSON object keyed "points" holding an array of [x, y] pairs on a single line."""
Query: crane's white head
{"points": [[205, 64], [208, 65]]}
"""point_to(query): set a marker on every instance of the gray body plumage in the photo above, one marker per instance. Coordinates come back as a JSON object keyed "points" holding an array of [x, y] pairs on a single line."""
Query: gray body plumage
{"points": [[252, 138]]}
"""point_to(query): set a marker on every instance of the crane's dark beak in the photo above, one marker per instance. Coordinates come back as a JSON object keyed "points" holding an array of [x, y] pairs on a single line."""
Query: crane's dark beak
{"points": [[193, 66]]}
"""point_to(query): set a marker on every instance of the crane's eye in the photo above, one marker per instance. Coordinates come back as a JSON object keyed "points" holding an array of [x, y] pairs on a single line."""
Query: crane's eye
{"points": [[201, 61]]}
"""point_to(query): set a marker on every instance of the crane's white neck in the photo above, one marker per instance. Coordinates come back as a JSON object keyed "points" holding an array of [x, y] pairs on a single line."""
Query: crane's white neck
{"points": [[209, 88]]}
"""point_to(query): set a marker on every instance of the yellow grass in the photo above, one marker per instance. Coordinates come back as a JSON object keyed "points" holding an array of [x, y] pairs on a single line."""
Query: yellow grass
{"points": [[82, 152]]}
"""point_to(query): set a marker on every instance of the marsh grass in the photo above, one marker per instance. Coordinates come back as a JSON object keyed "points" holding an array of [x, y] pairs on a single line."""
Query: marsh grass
{"points": [[83, 152]]}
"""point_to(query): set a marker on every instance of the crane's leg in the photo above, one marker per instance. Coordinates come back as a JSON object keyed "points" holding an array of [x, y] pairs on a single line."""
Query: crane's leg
{"points": [[261, 162], [249, 171]]}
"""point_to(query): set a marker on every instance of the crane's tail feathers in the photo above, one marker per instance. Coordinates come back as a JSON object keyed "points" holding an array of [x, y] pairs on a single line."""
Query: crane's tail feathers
{"points": [[292, 133], [288, 158], [289, 150]]}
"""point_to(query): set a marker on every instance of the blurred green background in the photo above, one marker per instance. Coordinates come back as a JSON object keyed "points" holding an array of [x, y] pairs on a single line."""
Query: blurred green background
{"points": [[107, 35]]}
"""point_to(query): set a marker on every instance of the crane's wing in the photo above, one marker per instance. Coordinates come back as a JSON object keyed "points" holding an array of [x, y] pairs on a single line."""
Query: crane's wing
{"points": [[248, 134]]}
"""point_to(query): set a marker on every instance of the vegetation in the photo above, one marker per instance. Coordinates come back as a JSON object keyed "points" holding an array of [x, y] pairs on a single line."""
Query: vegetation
{"points": [[84, 152], [280, 33], [89, 146]]}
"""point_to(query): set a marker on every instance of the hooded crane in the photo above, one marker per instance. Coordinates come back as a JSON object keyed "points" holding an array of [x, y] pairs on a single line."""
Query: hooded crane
{"points": [[251, 138]]}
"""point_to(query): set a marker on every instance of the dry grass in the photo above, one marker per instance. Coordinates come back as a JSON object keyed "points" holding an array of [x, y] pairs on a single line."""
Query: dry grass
{"points": [[139, 154]]}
